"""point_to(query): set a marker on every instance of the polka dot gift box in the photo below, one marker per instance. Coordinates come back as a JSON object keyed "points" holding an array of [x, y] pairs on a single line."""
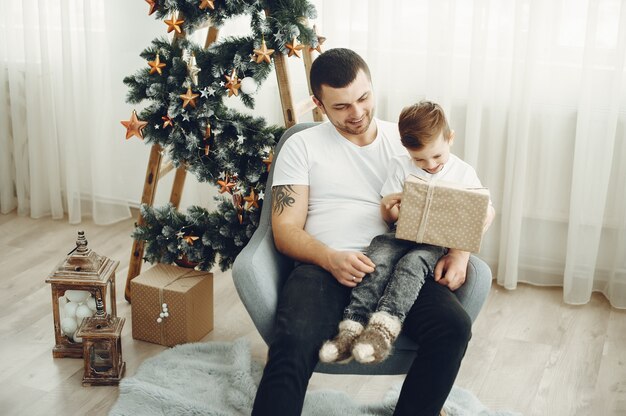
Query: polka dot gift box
{"points": [[172, 305], [442, 213]]}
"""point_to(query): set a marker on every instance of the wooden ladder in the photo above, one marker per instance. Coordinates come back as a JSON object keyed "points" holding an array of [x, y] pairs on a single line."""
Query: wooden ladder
{"points": [[158, 168]]}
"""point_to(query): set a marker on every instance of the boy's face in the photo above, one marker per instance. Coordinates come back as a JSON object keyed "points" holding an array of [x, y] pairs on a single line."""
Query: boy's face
{"points": [[433, 155], [349, 109]]}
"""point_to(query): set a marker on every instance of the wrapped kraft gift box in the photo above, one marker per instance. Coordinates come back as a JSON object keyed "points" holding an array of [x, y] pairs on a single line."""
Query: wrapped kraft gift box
{"points": [[442, 213], [172, 305]]}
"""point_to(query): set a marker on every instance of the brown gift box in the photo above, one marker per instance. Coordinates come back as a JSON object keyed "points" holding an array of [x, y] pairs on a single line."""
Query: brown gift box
{"points": [[188, 295], [442, 213]]}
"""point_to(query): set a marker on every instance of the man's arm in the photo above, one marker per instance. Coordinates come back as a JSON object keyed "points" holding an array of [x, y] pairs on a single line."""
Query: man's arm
{"points": [[289, 212]]}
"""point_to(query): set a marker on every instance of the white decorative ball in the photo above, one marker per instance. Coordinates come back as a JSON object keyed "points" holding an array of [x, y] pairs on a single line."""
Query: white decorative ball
{"points": [[69, 326], [77, 295], [91, 303], [159, 320], [83, 311], [62, 303], [164, 306], [249, 85], [70, 309]]}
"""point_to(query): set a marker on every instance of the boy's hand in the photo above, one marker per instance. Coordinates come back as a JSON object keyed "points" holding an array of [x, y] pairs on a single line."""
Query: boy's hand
{"points": [[451, 269], [391, 200]]}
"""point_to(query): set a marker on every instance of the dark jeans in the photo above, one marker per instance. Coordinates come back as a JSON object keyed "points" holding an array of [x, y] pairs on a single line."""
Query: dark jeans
{"points": [[402, 266], [310, 306]]}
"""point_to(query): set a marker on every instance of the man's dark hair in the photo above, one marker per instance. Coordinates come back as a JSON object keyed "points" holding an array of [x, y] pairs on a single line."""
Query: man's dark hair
{"points": [[336, 68]]}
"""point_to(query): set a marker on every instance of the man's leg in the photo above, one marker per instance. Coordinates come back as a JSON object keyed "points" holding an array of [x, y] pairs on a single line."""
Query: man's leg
{"points": [[442, 329], [309, 307]]}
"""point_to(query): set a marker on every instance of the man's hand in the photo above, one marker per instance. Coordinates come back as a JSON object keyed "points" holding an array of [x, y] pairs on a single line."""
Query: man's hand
{"points": [[451, 269], [349, 267]]}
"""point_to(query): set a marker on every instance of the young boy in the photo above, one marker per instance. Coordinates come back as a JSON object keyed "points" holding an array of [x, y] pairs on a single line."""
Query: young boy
{"points": [[386, 295]]}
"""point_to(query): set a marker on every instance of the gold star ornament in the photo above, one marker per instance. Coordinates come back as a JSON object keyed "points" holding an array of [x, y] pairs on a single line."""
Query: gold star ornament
{"points": [[190, 239], [134, 126], [233, 83], [156, 65], [252, 200], [189, 98], [207, 4], [263, 54], [153, 6], [174, 24], [320, 41], [225, 185], [167, 121], [294, 48]]}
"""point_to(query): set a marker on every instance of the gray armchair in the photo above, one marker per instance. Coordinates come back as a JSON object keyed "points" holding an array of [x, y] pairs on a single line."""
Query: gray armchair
{"points": [[259, 272]]}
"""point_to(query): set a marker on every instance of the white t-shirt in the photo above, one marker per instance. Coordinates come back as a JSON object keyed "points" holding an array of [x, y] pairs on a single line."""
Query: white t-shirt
{"points": [[455, 170], [344, 180]]}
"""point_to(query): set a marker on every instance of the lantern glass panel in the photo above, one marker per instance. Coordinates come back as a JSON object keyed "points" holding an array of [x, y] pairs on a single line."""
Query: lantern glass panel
{"points": [[100, 358], [75, 305]]}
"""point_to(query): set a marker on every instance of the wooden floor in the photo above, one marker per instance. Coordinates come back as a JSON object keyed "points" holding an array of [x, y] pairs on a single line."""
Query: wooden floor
{"points": [[529, 353]]}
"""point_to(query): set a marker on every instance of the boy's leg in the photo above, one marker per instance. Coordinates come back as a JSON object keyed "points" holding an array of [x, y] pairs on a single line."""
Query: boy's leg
{"points": [[310, 305], [442, 329], [408, 278], [385, 251], [375, 343]]}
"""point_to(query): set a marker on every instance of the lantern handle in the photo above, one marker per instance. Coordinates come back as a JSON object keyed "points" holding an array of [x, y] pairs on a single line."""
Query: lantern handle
{"points": [[99, 305], [81, 244]]}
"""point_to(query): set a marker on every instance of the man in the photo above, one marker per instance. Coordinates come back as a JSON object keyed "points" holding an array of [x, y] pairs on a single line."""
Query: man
{"points": [[325, 211]]}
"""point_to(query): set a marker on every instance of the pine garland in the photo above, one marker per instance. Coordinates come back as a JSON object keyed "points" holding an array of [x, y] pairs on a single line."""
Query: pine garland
{"points": [[217, 144]]}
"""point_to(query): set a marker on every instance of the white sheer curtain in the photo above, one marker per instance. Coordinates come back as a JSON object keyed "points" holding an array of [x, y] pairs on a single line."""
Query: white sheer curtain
{"points": [[536, 91], [56, 129]]}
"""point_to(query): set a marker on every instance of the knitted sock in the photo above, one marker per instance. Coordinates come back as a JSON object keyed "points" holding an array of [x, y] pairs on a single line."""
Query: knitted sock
{"points": [[338, 349], [374, 343]]}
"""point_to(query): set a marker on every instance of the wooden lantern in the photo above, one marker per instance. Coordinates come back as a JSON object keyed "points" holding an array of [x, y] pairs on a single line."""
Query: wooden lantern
{"points": [[102, 348], [76, 283]]}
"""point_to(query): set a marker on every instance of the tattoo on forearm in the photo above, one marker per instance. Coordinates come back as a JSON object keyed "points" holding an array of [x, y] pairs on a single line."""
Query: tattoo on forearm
{"points": [[281, 198]]}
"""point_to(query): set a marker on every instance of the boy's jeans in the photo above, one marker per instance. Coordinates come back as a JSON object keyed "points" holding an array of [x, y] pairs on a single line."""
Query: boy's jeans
{"points": [[401, 268]]}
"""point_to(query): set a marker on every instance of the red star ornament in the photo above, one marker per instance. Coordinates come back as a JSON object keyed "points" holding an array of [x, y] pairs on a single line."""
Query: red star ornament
{"points": [[294, 48], [156, 65], [174, 24], [134, 126], [189, 98]]}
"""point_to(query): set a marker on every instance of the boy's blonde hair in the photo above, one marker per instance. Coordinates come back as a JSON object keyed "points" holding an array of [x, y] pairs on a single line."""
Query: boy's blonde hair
{"points": [[421, 123]]}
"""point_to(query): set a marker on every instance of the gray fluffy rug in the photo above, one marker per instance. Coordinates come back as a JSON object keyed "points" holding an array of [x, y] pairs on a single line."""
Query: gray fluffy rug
{"points": [[220, 379]]}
